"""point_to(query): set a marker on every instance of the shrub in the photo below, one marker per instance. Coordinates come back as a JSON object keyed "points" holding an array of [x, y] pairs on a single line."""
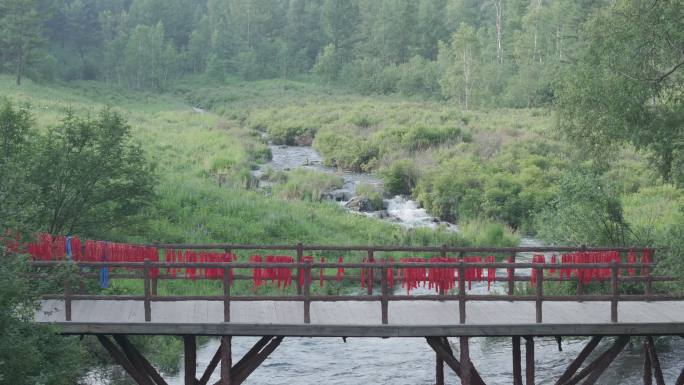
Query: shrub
{"points": [[400, 178]]}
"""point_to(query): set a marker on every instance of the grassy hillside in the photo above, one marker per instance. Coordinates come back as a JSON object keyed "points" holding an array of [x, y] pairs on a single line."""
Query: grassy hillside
{"points": [[191, 150], [507, 165]]}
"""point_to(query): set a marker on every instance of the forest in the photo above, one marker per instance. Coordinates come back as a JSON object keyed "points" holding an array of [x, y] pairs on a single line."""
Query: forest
{"points": [[561, 120]]}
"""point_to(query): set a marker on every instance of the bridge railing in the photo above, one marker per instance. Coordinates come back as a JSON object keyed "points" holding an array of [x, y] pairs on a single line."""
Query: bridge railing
{"points": [[372, 271]]}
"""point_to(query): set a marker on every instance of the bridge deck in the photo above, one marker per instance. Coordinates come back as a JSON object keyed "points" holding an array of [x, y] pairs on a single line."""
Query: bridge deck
{"points": [[347, 318]]}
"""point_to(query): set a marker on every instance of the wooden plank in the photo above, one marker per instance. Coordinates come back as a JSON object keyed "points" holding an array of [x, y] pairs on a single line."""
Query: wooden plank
{"points": [[655, 362], [529, 359], [190, 349], [517, 358], [122, 360], [137, 359], [577, 362], [357, 330]]}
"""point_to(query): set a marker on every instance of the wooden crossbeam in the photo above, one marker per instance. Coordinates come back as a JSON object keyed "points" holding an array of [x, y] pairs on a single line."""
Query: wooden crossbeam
{"points": [[121, 359], [603, 364], [239, 372], [441, 346], [241, 375], [655, 362], [215, 360], [252, 353], [137, 359], [577, 363], [594, 370]]}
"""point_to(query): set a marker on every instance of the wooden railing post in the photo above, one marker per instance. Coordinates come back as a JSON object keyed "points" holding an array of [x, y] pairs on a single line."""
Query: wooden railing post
{"points": [[370, 278], [300, 255], [67, 294], [649, 278], [307, 292], [579, 280], [227, 283], [461, 293], [443, 254], [615, 291], [226, 294], [511, 275], [146, 278], [539, 292], [384, 301]]}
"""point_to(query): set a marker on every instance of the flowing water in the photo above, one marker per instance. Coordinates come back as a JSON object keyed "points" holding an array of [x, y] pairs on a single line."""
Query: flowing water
{"points": [[410, 361]]}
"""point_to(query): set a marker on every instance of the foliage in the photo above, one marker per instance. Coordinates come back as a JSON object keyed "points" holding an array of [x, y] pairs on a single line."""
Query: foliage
{"points": [[584, 211], [371, 193], [20, 33], [514, 49], [627, 86], [89, 175], [400, 177], [310, 185]]}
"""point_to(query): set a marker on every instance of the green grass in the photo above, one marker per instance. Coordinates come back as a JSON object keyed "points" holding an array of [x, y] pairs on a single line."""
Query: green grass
{"points": [[189, 150]]}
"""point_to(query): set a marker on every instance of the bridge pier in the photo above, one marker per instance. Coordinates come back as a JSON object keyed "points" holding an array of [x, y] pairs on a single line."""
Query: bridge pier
{"points": [[142, 372]]}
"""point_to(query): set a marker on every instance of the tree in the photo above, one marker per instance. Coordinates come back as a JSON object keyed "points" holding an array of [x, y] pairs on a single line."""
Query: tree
{"points": [[628, 84], [340, 20], [15, 131], [29, 353], [89, 176], [460, 60], [21, 32]]}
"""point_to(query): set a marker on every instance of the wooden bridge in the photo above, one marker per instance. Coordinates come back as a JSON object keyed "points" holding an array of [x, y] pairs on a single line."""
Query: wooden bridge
{"points": [[621, 304]]}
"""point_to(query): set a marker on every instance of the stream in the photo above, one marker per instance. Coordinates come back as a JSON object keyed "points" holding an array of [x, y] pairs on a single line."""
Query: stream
{"points": [[410, 361]]}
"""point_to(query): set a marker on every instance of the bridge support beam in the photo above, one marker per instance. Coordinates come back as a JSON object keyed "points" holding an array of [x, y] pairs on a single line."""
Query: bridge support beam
{"points": [[650, 352], [517, 357], [577, 363], [441, 346], [529, 358], [439, 370], [143, 373], [593, 371], [190, 350]]}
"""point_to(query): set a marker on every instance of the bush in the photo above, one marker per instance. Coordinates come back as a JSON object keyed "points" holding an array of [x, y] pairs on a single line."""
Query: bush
{"points": [[400, 178], [372, 194], [309, 185]]}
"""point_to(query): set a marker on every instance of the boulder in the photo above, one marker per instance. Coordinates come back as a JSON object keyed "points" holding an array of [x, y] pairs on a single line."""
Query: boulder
{"points": [[360, 203]]}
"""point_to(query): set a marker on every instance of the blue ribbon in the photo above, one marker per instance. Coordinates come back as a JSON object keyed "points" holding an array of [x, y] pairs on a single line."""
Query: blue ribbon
{"points": [[68, 247], [104, 271]]}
